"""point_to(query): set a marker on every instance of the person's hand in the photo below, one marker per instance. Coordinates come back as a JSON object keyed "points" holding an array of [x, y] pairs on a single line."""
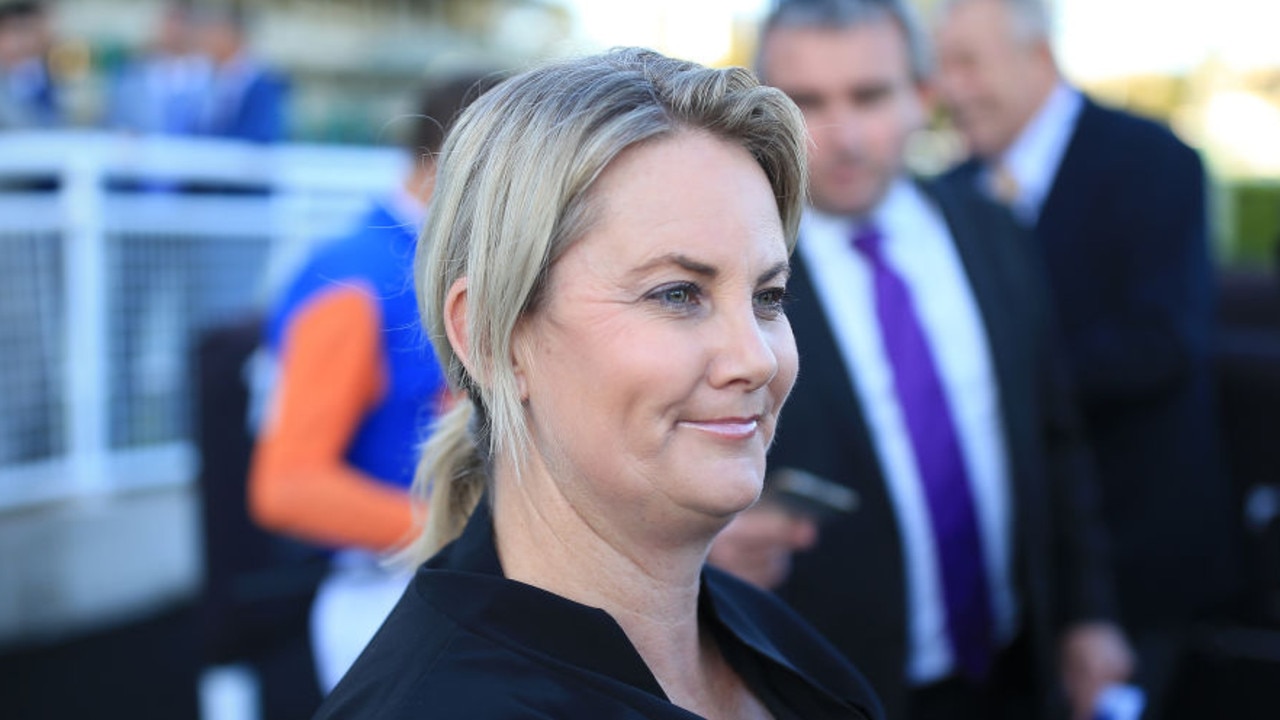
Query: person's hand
{"points": [[1094, 655], [757, 545]]}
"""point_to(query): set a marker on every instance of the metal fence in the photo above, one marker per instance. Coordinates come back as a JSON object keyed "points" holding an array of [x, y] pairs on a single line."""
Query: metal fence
{"points": [[115, 253]]}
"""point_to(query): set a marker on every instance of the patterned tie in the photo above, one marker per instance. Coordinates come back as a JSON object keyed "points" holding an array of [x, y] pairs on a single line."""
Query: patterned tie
{"points": [[1004, 186], [939, 459]]}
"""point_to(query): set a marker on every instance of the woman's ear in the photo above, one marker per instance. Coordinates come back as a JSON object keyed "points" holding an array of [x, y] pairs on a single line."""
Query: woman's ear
{"points": [[456, 327], [519, 364]]}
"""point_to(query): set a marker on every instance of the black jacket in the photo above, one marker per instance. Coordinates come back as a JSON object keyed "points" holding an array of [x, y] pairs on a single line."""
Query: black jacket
{"points": [[465, 642], [1124, 233]]}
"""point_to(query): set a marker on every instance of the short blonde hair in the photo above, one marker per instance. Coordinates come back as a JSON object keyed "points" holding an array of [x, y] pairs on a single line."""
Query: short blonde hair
{"points": [[513, 191]]}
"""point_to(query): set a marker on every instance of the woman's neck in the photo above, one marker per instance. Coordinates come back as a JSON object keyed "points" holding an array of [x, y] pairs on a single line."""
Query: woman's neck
{"points": [[650, 588], [545, 540]]}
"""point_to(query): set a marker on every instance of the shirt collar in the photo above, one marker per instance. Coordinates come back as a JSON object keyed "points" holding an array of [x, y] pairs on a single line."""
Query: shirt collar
{"points": [[401, 211], [902, 204], [1036, 153], [407, 209], [240, 66], [465, 581]]}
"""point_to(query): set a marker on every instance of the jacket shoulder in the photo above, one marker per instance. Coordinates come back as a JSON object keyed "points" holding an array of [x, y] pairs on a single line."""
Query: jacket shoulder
{"points": [[425, 663], [964, 206], [441, 671], [1131, 136]]}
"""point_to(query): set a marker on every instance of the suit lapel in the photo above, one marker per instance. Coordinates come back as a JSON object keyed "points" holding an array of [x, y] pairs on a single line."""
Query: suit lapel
{"points": [[986, 242], [1058, 202], [972, 236], [822, 365]]}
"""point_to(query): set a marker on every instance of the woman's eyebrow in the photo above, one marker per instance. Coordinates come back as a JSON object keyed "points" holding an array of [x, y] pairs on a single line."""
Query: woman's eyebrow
{"points": [[680, 260], [782, 268]]}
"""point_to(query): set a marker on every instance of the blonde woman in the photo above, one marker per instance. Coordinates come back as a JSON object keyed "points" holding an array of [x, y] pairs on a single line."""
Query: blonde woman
{"points": [[603, 274]]}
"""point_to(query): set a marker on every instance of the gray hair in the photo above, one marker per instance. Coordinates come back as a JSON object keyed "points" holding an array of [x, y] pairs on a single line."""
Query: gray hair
{"points": [[846, 14], [514, 191], [1030, 18]]}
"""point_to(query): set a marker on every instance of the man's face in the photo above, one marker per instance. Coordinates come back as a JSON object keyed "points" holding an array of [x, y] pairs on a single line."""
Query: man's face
{"points": [[860, 104], [991, 80]]}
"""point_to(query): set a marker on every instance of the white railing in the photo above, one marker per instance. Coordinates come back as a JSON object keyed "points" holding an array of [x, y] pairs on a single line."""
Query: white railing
{"points": [[110, 266]]}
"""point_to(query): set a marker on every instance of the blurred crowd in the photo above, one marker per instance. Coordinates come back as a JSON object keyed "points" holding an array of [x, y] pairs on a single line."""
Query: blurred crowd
{"points": [[197, 76]]}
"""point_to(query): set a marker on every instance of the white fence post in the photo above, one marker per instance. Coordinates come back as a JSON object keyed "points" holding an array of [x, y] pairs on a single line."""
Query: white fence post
{"points": [[87, 319]]}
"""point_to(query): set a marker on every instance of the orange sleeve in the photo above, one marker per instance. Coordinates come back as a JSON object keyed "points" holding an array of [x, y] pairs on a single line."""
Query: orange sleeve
{"points": [[331, 373]]}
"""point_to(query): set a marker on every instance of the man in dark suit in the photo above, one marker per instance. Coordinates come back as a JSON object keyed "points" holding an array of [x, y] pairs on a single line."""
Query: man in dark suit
{"points": [[1117, 205], [28, 90], [162, 90], [246, 99], [928, 389]]}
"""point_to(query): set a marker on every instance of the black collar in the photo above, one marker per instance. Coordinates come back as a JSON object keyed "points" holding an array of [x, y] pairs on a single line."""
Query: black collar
{"points": [[465, 581]]}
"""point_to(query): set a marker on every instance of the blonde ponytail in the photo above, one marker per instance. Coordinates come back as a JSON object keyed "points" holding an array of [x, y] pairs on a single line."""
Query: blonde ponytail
{"points": [[450, 480]]}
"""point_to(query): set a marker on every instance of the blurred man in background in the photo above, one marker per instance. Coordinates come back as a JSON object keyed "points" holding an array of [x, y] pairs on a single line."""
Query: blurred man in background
{"points": [[357, 388], [164, 90], [246, 99], [1117, 205], [929, 390], [28, 91]]}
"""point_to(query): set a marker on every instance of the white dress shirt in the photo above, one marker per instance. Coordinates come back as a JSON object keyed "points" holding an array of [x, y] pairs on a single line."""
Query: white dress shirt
{"points": [[918, 246], [1034, 157]]}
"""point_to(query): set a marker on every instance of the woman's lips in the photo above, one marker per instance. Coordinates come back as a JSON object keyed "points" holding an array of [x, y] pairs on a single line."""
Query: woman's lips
{"points": [[735, 428]]}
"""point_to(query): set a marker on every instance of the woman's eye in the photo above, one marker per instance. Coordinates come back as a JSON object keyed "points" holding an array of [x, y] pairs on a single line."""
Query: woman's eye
{"points": [[771, 303], [677, 296]]}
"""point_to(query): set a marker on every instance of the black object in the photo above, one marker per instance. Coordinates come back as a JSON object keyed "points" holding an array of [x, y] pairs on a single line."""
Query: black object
{"points": [[258, 586], [810, 495]]}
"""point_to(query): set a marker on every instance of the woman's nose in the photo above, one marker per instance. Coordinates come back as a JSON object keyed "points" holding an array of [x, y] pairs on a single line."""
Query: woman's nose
{"points": [[745, 354]]}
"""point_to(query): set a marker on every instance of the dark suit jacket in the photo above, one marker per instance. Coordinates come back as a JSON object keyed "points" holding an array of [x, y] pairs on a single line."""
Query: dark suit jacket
{"points": [[852, 586], [259, 113], [1123, 233], [465, 642]]}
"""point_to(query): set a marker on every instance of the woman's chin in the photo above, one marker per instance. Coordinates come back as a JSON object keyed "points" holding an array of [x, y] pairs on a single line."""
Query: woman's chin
{"points": [[730, 494]]}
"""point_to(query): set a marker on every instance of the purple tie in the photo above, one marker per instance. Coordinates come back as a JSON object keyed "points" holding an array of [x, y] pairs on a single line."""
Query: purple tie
{"points": [[939, 460]]}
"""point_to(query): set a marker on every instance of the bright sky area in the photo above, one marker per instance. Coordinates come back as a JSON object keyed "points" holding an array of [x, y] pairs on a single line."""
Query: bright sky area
{"points": [[1096, 39]]}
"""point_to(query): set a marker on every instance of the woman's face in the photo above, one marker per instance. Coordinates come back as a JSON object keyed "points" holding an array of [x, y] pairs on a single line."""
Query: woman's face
{"points": [[660, 356]]}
